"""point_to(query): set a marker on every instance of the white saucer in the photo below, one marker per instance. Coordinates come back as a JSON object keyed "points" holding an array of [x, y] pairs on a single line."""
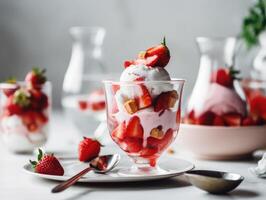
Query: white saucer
{"points": [[171, 166]]}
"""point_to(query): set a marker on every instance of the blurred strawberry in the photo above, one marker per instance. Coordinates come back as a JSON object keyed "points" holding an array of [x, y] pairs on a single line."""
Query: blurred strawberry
{"points": [[232, 119], [10, 86], [47, 164], [206, 118], [36, 78], [225, 76], [218, 121], [39, 100]]}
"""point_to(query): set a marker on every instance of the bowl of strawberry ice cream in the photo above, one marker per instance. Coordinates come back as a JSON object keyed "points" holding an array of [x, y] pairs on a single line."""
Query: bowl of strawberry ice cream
{"points": [[218, 124], [24, 114], [143, 108]]}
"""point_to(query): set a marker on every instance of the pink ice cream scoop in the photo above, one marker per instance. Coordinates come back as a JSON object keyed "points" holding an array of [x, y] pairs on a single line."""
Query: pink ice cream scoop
{"points": [[222, 100]]}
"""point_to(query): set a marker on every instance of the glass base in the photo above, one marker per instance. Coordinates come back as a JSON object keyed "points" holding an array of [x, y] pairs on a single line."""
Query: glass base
{"points": [[136, 171]]}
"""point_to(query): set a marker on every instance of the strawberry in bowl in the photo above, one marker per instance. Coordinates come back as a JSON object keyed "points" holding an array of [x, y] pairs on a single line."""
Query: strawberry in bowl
{"points": [[143, 108], [25, 108]]}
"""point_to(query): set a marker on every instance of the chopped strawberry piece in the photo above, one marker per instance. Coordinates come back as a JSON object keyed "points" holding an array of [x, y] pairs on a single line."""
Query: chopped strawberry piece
{"points": [[132, 145], [115, 88], [127, 63], [88, 149], [148, 152], [233, 119], [83, 105], [96, 106], [218, 121], [134, 128], [258, 106], [160, 144], [206, 118], [139, 78], [119, 132], [165, 100], [145, 99], [248, 121]]}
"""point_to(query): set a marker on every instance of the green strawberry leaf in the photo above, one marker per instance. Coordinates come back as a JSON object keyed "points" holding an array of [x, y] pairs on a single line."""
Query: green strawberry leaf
{"points": [[40, 154]]}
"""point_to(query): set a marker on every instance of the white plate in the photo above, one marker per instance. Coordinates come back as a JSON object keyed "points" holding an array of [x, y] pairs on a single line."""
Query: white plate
{"points": [[172, 166]]}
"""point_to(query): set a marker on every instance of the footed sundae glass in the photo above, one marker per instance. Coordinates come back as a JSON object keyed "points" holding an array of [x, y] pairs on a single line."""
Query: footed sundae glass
{"points": [[141, 124]]}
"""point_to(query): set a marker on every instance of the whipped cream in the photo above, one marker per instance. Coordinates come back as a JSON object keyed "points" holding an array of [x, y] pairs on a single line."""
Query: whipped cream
{"points": [[133, 72]]}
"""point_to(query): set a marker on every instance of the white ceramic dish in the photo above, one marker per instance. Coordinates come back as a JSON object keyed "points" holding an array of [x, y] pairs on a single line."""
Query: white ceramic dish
{"points": [[221, 143], [172, 166]]}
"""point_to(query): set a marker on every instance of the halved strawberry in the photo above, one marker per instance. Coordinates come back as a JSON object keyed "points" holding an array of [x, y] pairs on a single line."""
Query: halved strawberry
{"points": [[145, 99], [218, 121], [88, 149], [165, 100], [120, 131], [233, 119], [134, 128], [161, 51], [206, 118], [132, 145]]}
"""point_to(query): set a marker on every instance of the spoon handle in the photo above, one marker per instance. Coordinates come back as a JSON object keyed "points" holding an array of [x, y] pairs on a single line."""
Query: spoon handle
{"points": [[62, 186]]}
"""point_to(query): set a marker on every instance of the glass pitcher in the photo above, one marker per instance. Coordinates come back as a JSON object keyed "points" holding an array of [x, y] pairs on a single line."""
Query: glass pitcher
{"points": [[83, 97], [217, 97]]}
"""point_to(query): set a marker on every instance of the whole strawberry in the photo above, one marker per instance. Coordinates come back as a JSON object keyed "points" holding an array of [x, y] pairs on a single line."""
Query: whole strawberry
{"points": [[10, 86], [36, 78], [88, 149], [47, 164], [161, 51]]}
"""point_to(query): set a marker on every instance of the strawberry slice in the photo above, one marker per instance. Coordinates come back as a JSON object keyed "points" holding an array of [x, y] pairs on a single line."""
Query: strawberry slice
{"points": [[206, 118], [218, 121], [119, 132], [145, 99], [134, 128], [165, 100], [232, 119]]}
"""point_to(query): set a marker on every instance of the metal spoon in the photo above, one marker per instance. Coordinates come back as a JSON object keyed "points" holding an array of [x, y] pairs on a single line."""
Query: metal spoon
{"points": [[215, 182], [101, 164]]}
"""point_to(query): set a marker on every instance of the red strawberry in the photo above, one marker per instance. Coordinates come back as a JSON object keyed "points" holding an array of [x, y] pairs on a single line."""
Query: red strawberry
{"points": [[119, 132], [132, 145], [160, 144], [165, 100], [232, 119], [88, 149], [47, 164], [178, 116], [39, 100], [218, 121], [10, 86], [96, 106], [36, 78], [248, 121], [224, 76], [115, 88], [258, 106], [148, 152], [145, 99], [190, 118], [83, 105], [134, 128], [161, 51], [206, 118]]}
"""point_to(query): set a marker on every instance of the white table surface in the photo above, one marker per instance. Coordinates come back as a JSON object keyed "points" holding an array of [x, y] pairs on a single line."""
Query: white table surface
{"points": [[16, 184]]}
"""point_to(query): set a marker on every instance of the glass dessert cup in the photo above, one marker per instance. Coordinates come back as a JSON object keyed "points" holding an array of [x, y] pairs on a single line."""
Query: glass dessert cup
{"points": [[141, 124], [217, 98], [255, 91], [26, 128]]}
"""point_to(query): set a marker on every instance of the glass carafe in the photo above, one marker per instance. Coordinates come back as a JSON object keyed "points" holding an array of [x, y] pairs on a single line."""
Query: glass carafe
{"points": [[217, 97], [83, 97]]}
